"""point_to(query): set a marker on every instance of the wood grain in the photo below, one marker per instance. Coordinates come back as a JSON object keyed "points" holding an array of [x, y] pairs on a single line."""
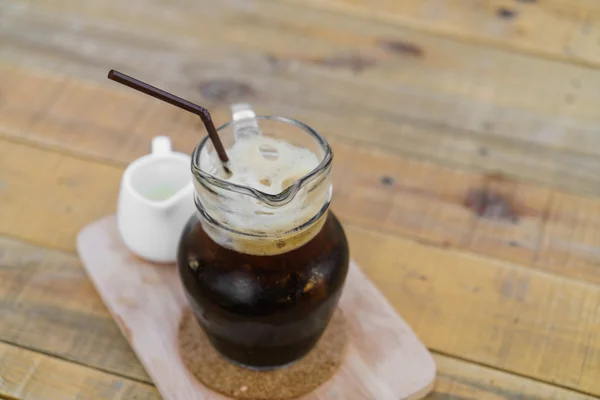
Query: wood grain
{"points": [[494, 313], [25, 374], [518, 26], [430, 97], [53, 193], [48, 304], [485, 213], [458, 380], [491, 312]]}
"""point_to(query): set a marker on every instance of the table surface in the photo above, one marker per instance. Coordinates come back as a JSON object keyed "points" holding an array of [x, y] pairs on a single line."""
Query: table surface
{"points": [[467, 169]]}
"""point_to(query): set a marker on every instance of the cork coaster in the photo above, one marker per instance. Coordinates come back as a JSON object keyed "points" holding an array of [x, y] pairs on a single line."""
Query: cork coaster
{"points": [[301, 377]]}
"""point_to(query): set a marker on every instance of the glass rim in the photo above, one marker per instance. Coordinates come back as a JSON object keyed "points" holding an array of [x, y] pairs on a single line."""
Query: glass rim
{"points": [[287, 194]]}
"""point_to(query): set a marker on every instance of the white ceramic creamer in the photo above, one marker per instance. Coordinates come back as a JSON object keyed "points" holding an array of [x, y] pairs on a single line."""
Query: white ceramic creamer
{"points": [[155, 202]]}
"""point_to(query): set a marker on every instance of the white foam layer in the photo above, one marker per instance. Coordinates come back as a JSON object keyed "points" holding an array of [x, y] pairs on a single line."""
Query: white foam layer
{"points": [[270, 166]]}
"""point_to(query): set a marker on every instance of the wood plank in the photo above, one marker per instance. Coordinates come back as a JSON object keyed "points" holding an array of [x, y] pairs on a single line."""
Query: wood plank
{"points": [[429, 97], [485, 213], [558, 29], [458, 380], [507, 84], [499, 314], [56, 195], [48, 304], [507, 87], [27, 375], [491, 312]]}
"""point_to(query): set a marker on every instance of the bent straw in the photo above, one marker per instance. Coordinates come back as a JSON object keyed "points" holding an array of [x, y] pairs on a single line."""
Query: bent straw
{"points": [[177, 102]]}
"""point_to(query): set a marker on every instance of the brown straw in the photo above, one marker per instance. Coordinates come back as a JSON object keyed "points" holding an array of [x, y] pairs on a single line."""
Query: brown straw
{"points": [[177, 102]]}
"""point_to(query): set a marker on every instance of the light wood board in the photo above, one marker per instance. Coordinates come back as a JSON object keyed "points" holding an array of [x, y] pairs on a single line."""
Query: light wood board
{"points": [[385, 359]]}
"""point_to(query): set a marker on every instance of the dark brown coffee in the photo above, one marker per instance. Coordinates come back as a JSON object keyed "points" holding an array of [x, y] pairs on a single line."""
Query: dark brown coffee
{"points": [[263, 311]]}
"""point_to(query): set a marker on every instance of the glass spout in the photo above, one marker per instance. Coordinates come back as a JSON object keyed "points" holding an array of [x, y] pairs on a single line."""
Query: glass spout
{"points": [[279, 195], [205, 164]]}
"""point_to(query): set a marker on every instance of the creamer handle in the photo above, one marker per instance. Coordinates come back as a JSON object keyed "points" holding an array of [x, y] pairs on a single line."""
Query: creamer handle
{"points": [[161, 145]]}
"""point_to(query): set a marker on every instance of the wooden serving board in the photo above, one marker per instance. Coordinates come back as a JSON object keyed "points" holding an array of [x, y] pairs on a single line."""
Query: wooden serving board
{"points": [[385, 360]]}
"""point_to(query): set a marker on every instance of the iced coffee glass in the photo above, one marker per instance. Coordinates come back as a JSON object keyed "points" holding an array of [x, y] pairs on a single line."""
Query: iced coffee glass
{"points": [[263, 261]]}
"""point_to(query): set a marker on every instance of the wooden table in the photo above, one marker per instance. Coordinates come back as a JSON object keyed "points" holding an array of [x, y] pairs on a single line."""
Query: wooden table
{"points": [[467, 169]]}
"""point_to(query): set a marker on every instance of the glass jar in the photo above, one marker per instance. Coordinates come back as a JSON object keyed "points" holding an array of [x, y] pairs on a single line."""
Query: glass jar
{"points": [[263, 272]]}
